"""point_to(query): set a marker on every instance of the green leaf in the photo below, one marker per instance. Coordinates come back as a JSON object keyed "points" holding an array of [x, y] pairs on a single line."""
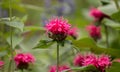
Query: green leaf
{"points": [[84, 42], [114, 68], [89, 43], [44, 44], [112, 24], [16, 22], [116, 16], [83, 68], [30, 40], [109, 9], [3, 53], [24, 18], [15, 41]]}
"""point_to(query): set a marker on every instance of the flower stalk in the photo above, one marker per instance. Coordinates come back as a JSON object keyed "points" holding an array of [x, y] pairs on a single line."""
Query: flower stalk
{"points": [[57, 56], [11, 66], [107, 38]]}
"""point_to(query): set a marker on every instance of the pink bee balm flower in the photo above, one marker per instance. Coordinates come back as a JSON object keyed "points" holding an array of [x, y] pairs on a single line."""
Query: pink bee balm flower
{"points": [[73, 32], [61, 68], [103, 62], [90, 59], [1, 63], [97, 14], [78, 60], [94, 31], [58, 28], [100, 62], [22, 60]]}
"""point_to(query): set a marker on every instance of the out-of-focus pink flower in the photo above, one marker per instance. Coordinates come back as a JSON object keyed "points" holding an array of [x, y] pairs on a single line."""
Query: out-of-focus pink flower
{"points": [[103, 62], [90, 59], [61, 68], [73, 32], [78, 60], [57, 28], [97, 14], [22, 60], [94, 31], [1, 63]]}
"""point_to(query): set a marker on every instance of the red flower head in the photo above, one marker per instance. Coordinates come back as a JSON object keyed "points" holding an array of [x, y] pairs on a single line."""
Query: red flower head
{"points": [[73, 32], [94, 31], [78, 60], [58, 28], [22, 60], [97, 14], [1, 64], [90, 59], [61, 68], [103, 62]]}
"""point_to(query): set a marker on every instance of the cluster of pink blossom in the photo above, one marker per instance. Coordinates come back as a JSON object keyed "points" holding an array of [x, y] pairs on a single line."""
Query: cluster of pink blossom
{"points": [[73, 32], [59, 28], [1, 64], [97, 14], [101, 62], [94, 31], [22, 60], [60, 69]]}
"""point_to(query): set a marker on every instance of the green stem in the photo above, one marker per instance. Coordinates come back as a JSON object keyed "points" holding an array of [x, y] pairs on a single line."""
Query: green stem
{"points": [[107, 38], [117, 4], [22, 70], [11, 68], [57, 56]]}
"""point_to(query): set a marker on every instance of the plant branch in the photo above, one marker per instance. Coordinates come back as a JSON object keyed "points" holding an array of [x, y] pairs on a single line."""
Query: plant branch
{"points": [[11, 68]]}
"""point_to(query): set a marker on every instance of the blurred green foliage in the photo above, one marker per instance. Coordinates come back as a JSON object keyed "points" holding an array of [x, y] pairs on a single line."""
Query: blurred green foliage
{"points": [[29, 18]]}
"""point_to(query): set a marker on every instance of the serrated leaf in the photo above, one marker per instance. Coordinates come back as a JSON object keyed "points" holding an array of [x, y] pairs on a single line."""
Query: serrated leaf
{"points": [[44, 44], [30, 40], [16, 22], [6, 19], [15, 41]]}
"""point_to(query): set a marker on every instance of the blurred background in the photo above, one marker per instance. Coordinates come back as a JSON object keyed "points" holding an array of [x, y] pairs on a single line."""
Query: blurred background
{"points": [[35, 14]]}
